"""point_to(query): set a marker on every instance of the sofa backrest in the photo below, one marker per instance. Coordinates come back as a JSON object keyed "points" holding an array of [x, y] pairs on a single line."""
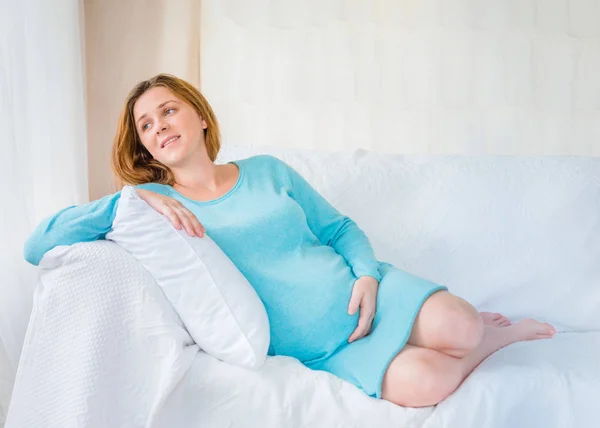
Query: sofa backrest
{"points": [[519, 235]]}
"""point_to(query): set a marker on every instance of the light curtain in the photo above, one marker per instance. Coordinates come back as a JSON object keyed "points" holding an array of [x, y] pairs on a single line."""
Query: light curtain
{"points": [[42, 148]]}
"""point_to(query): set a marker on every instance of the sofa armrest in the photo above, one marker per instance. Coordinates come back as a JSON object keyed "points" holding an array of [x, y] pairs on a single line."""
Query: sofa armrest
{"points": [[102, 340]]}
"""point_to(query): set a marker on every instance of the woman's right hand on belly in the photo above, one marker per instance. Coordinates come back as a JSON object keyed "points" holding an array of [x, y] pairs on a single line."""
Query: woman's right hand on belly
{"points": [[174, 210]]}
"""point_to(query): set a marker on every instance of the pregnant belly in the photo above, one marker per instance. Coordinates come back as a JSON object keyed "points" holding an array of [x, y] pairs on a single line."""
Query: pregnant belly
{"points": [[308, 313]]}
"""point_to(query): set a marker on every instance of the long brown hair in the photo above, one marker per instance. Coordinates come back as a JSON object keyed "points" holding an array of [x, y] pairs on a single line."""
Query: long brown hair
{"points": [[132, 163]]}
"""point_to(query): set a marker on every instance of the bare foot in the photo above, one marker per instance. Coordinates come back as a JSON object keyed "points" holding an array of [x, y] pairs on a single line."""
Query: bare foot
{"points": [[494, 319], [529, 329]]}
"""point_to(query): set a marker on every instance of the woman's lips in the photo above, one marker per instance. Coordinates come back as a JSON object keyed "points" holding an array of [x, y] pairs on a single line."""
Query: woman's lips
{"points": [[171, 141]]}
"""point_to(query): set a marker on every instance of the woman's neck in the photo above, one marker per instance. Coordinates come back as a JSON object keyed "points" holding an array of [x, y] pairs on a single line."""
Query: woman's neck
{"points": [[202, 175]]}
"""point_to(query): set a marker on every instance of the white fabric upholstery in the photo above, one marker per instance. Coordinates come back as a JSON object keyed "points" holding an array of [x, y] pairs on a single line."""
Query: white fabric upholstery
{"points": [[216, 303], [518, 235], [104, 347]]}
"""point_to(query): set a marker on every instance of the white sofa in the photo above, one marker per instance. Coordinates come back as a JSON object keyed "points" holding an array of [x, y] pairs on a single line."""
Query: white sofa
{"points": [[511, 234]]}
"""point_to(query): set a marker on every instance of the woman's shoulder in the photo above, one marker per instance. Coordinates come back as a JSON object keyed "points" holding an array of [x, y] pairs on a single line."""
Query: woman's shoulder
{"points": [[263, 161], [266, 168], [163, 189]]}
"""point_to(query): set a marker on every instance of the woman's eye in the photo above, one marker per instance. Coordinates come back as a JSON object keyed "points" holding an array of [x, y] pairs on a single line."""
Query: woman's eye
{"points": [[167, 111], [145, 126]]}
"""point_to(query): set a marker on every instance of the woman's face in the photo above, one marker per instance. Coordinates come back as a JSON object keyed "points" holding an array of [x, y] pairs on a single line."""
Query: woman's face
{"points": [[169, 128]]}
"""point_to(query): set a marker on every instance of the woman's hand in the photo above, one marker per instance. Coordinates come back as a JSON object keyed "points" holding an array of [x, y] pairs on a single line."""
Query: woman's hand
{"points": [[174, 210], [364, 295]]}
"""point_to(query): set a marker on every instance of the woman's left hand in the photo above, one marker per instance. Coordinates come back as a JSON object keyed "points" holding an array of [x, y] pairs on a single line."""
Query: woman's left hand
{"points": [[364, 295]]}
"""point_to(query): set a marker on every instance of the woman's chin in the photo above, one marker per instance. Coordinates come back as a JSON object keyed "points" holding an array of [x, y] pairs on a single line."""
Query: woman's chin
{"points": [[171, 160], [177, 156]]}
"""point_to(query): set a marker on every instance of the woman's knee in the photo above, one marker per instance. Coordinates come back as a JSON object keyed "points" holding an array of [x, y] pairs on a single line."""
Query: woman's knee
{"points": [[420, 377], [462, 323], [468, 328], [449, 324]]}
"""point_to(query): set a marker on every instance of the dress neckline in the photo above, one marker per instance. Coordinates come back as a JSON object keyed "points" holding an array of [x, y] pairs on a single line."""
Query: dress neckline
{"points": [[220, 198]]}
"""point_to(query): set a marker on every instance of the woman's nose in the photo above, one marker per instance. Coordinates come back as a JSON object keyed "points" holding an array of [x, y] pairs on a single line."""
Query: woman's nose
{"points": [[162, 127]]}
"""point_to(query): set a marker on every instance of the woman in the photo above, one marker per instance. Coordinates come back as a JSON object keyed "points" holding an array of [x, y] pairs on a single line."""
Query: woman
{"points": [[330, 303]]}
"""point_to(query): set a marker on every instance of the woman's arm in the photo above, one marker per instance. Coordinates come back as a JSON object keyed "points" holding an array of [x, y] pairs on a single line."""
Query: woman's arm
{"points": [[81, 223], [90, 222], [332, 228]]}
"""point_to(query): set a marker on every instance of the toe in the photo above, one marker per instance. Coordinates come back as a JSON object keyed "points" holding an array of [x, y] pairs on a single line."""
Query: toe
{"points": [[502, 321], [545, 335], [548, 330]]}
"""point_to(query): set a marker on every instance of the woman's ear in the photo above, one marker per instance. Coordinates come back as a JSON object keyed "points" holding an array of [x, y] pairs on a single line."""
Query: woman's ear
{"points": [[204, 124]]}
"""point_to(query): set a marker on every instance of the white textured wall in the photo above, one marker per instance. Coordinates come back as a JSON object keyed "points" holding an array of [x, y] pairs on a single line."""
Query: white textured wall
{"points": [[409, 76]]}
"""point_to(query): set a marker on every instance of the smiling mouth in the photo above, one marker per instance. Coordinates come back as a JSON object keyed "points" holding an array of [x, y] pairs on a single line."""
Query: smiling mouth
{"points": [[172, 140]]}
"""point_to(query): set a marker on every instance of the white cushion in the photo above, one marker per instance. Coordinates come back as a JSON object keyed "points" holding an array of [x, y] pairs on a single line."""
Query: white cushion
{"points": [[216, 303]]}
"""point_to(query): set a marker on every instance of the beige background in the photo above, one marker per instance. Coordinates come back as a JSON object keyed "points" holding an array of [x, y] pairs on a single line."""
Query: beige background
{"points": [[126, 42], [512, 77]]}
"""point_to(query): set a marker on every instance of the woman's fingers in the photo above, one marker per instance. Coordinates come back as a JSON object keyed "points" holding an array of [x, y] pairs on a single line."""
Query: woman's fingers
{"points": [[358, 333], [172, 216], [354, 302], [186, 221], [192, 226], [175, 211], [198, 228], [364, 325]]}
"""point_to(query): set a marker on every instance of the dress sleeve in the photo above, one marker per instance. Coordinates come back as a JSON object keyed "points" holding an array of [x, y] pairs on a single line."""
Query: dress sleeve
{"points": [[80, 223], [332, 228]]}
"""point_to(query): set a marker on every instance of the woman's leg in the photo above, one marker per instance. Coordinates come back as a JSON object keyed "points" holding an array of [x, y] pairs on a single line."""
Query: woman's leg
{"points": [[449, 324], [419, 377]]}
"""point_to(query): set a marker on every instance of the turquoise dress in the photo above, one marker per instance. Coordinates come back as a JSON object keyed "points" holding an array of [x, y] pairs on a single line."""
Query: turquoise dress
{"points": [[299, 253]]}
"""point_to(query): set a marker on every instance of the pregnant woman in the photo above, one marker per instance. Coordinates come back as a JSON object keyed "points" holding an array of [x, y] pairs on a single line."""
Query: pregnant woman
{"points": [[330, 303]]}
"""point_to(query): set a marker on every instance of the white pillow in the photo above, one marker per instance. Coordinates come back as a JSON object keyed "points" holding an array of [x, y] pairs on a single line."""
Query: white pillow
{"points": [[216, 303]]}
